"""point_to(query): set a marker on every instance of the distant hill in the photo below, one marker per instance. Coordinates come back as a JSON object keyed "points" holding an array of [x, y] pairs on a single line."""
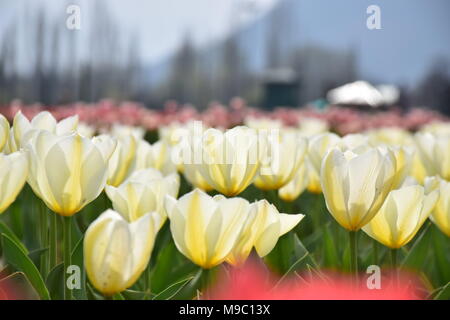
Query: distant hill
{"points": [[414, 34]]}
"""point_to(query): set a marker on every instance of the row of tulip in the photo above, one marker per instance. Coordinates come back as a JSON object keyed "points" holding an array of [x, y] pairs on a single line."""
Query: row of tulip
{"points": [[222, 191], [341, 120]]}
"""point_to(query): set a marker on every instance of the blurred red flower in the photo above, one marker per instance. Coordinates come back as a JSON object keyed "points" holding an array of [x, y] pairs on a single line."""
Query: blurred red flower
{"points": [[253, 282]]}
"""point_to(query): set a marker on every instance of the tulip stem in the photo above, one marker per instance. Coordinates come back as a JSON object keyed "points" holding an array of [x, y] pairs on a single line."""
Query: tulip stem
{"points": [[393, 253], [67, 255], [354, 255], [44, 239], [394, 258], [375, 251], [53, 240], [205, 282], [147, 283]]}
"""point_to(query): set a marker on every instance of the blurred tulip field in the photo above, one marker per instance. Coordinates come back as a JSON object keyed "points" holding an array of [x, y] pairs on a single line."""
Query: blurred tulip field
{"points": [[108, 201]]}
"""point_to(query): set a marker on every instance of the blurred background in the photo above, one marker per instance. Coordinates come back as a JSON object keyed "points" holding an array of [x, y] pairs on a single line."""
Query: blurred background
{"points": [[269, 52]]}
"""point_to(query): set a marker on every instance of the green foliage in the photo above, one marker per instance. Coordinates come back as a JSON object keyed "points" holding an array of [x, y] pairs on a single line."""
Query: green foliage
{"points": [[18, 259], [318, 243]]}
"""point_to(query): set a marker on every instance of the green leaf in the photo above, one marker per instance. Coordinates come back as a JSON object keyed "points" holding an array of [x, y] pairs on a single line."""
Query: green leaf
{"points": [[92, 293], [417, 256], [172, 290], [444, 293], [441, 247], [134, 294], [17, 257], [55, 282], [35, 255], [16, 219], [190, 290], [172, 266], [331, 259], [118, 296], [78, 260], [5, 230], [289, 255]]}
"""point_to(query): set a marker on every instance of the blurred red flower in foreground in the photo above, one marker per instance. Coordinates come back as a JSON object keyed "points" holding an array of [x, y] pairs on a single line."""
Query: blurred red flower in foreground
{"points": [[7, 292], [253, 282]]}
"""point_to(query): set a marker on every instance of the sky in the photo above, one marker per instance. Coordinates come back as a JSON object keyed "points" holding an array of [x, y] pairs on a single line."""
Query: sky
{"points": [[160, 25], [413, 33]]}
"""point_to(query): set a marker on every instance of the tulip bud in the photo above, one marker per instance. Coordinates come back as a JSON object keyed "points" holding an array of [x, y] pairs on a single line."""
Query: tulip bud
{"points": [[264, 226], [67, 172], [228, 161], [402, 215], [143, 192], [116, 252], [284, 157], [42, 121], [205, 229], [356, 185]]}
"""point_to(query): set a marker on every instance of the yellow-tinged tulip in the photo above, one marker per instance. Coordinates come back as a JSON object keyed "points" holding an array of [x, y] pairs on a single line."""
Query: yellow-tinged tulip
{"points": [[143, 192], [319, 146], [405, 150], [312, 126], [4, 132], [120, 130], [194, 177], [285, 156], [13, 174], [435, 153], [180, 137], [10, 145], [68, 172], [116, 252], [403, 162], [354, 141], [176, 132], [402, 215], [418, 170], [229, 161], [157, 156], [390, 136], [85, 130], [122, 160], [441, 213], [356, 185], [263, 123], [264, 226], [291, 191], [42, 121], [313, 179], [437, 128], [204, 228]]}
